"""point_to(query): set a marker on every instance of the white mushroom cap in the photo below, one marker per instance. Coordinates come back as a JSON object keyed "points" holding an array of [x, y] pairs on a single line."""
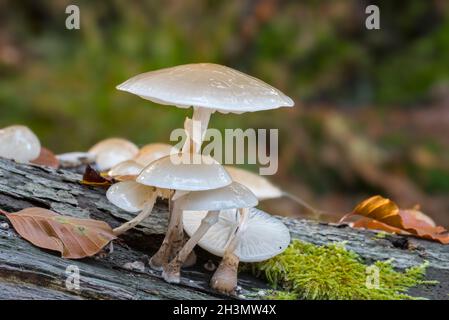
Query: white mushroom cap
{"points": [[129, 195], [206, 85], [112, 151], [152, 152], [264, 238], [232, 196], [201, 173], [260, 186], [126, 168], [19, 143]]}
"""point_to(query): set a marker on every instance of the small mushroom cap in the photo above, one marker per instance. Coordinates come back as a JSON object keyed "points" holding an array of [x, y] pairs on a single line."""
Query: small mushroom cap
{"points": [[206, 85], [200, 173], [152, 152], [129, 195], [19, 143], [260, 186], [112, 151], [232, 196], [264, 238], [126, 168]]}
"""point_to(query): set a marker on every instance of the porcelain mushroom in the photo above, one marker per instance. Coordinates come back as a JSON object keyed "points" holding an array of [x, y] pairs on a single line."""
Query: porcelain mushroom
{"points": [[233, 196], [112, 151], [199, 174], [206, 87], [252, 236], [19, 143]]}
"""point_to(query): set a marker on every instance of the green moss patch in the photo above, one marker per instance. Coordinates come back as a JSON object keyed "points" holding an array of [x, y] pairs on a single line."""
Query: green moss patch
{"points": [[307, 271]]}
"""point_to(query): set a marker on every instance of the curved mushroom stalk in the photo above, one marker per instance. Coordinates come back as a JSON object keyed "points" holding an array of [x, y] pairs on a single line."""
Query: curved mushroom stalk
{"points": [[224, 279], [132, 197], [172, 270], [147, 209], [172, 242]]}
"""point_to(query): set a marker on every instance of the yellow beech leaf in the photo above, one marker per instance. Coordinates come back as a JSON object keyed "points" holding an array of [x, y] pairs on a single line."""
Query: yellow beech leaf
{"points": [[384, 214]]}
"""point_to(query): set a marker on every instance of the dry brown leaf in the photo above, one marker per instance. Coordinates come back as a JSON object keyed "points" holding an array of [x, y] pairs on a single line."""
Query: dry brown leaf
{"points": [[385, 215], [92, 178], [46, 158], [367, 223], [74, 238]]}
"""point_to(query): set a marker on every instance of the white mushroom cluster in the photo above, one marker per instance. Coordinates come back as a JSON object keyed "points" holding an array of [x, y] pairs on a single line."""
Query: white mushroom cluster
{"points": [[213, 203]]}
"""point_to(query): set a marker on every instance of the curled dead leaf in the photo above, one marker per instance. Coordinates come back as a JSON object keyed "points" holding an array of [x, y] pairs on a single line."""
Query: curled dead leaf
{"points": [[92, 178], [383, 214], [74, 238]]}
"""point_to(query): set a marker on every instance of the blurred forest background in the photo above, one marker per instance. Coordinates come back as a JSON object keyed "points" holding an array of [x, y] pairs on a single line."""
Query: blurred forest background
{"points": [[372, 106]]}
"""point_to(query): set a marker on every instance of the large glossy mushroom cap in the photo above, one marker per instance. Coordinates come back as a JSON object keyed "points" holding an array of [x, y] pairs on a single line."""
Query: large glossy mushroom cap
{"points": [[200, 173], [112, 151], [19, 143], [206, 85], [264, 238], [260, 186], [129, 195], [232, 196]]}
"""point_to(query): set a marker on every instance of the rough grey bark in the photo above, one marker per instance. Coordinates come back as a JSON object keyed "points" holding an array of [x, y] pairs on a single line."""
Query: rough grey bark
{"points": [[31, 273]]}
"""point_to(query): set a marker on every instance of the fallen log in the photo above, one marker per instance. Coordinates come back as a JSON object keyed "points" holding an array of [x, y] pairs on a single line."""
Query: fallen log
{"points": [[27, 272]]}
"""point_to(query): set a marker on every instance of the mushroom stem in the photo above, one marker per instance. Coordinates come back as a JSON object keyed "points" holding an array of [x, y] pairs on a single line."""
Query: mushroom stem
{"points": [[172, 241], [146, 211], [191, 260], [224, 279], [173, 269], [196, 129]]}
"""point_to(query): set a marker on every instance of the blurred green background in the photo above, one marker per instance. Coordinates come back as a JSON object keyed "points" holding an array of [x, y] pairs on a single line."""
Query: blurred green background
{"points": [[372, 106]]}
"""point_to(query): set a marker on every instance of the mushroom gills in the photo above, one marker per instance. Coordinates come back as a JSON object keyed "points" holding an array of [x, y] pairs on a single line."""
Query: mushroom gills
{"points": [[255, 246]]}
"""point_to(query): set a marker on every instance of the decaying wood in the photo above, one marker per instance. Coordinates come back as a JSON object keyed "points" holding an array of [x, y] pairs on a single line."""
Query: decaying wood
{"points": [[31, 273]]}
